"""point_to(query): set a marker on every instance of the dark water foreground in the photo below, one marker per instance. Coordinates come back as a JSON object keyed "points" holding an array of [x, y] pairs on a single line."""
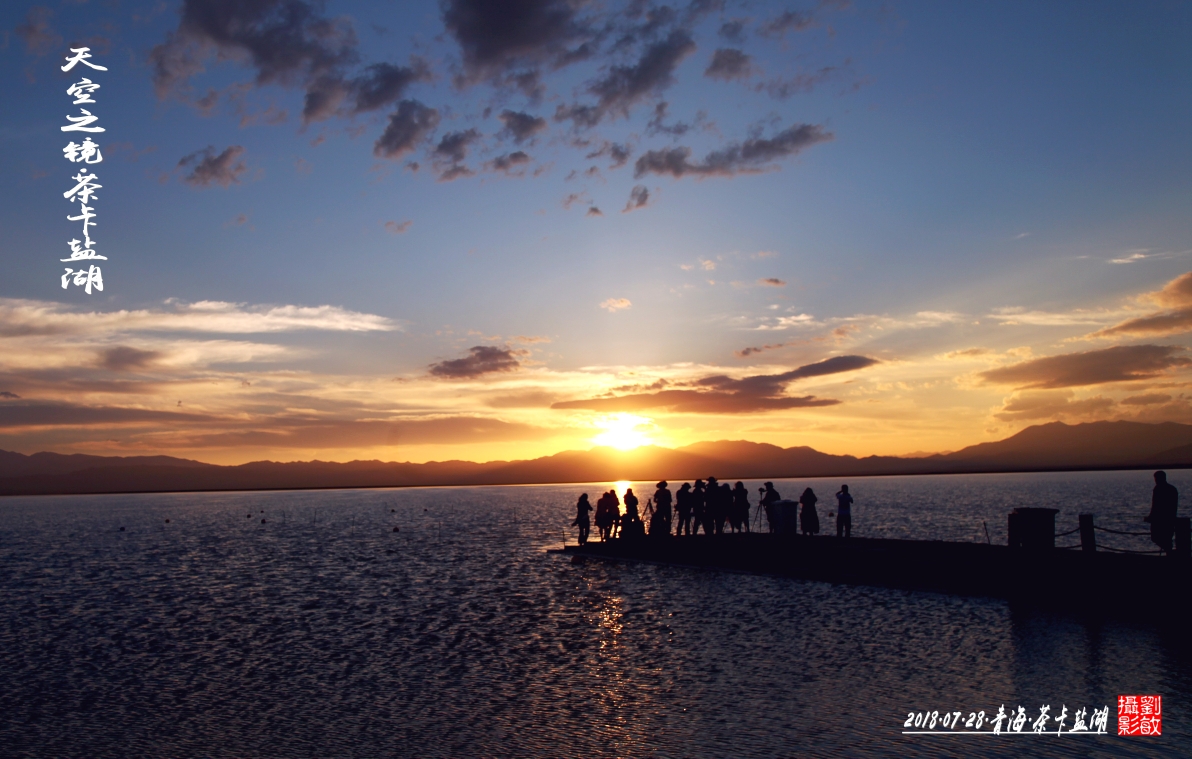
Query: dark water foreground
{"points": [[323, 633]]}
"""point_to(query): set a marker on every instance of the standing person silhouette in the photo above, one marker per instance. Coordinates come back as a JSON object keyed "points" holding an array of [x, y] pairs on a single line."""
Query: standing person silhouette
{"points": [[1165, 502], [740, 513], [581, 518], [809, 517], [662, 506], [844, 513], [769, 496], [683, 506], [699, 507]]}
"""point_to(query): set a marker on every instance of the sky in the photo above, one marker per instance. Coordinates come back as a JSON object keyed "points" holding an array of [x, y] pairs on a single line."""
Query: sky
{"points": [[499, 230]]}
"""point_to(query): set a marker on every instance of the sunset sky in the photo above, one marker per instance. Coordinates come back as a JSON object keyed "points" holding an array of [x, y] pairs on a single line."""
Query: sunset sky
{"points": [[491, 230]]}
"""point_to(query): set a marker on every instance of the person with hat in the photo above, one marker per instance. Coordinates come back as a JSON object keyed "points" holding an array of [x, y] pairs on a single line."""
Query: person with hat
{"points": [[662, 507], [683, 500], [769, 497]]}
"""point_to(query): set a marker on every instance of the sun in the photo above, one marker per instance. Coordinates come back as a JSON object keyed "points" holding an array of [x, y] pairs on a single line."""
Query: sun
{"points": [[622, 431]]}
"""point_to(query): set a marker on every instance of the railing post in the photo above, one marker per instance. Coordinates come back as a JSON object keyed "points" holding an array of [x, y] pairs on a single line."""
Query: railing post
{"points": [[1183, 537], [1088, 537]]}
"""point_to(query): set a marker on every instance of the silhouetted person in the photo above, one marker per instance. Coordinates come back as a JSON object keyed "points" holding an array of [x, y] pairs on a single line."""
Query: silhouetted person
{"points": [[606, 515], [631, 504], [663, 507], [714, 511], [631, 521], [809, 517], [1165, 501], [683, 507], [699, 507], [739, 518], [582, 520], [844, 513], [769, 496]]}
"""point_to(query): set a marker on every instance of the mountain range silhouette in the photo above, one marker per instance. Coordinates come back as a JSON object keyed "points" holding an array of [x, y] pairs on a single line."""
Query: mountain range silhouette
{"points": [[1047, 447]]}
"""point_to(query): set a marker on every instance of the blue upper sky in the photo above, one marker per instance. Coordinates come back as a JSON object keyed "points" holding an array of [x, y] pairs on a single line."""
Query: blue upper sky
{"points": [[561, 197]]}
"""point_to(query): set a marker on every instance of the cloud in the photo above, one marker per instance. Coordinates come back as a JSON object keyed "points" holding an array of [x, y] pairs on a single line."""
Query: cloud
{"points": [[624, 86], [594, 211], [394, 228], [747, 352], [482, 359], [509, 163], [723, 395], [1146, 399], [733, 31], [1117, 364], [506, 42], [752, 155], [657, 124], [239, 220], [968, 353], [287, 42], [292, 431], [785, 22], [36, 33], [521, 127], [8, 396], [1134, 256], [729, 64], [612, 305], [408, 125], [224, 169], [524, 399], [45, 414], [617, 153], [454, 145], [1032, 406], [772, 282], [573, 198], [380, 85], [29, 317], [639, 197], [1176, 296], [782, 89], [123, 358]]}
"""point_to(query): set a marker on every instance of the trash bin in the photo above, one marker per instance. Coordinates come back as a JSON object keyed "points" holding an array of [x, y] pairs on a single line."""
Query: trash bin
{"points": [[785, 514], [1032, 529]]}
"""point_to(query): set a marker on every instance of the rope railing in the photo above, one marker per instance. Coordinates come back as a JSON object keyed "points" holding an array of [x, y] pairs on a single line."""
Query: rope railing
{"points": [[1069, 532], [1068, 548], [1120, 532], [1125, 550]]}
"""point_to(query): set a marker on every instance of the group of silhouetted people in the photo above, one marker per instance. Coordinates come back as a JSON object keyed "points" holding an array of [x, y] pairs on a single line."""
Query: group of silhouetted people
{"points": [[715, 507]]}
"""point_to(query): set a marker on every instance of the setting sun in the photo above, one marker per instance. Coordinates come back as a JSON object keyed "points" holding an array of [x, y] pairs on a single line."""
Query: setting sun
{"points": [[622, 431]]}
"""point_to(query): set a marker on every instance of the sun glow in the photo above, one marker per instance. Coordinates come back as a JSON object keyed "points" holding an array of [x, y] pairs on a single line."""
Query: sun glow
{"points": [[622, 431]]}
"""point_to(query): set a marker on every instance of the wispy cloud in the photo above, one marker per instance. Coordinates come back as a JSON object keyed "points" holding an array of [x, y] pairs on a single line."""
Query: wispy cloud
{"points": [[30, 317], [1123, 363], [615, 304]]}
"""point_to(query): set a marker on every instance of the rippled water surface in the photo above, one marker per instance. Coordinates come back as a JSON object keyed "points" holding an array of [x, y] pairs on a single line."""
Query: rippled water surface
{"points": [[322, 632]]}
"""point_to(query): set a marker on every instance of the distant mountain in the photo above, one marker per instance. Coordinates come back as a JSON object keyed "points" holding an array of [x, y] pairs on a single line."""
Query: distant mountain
{"points": [[1098, 445]]}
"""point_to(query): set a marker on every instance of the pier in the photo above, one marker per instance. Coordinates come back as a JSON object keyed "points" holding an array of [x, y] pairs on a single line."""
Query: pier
{"points": [[1031, 569]]}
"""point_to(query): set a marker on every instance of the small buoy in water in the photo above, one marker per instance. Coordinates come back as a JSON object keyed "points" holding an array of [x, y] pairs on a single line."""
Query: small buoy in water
{"points": [[392, 511], [397, 529], [121, 529], [426, 509], [262, 521], [249, 516], [262, 511], [167, 521], [579, 559]]}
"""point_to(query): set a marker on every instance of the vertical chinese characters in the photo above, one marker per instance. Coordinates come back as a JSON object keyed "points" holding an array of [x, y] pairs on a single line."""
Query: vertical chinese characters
{"points": [[86, 181]]}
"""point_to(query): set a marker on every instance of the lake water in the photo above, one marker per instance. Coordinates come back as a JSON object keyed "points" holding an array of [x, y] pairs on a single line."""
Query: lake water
{"points": [[323, 633]]}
